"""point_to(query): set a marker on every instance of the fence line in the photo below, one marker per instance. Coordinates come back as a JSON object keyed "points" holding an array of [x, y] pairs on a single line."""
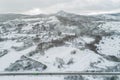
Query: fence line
{"points": [[57, 73]]}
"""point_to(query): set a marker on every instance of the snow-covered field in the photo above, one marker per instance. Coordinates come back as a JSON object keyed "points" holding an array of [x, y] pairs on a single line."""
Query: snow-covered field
{"points": [[12, 56], [75, 77], [31, 77], [110, 46]]}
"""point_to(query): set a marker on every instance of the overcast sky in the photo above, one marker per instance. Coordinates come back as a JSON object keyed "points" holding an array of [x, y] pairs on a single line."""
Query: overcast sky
{"points": [[52, 6]]}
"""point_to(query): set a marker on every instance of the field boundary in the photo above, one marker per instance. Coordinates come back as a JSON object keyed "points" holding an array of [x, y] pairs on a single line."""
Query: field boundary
{"points": [[57, 73]]}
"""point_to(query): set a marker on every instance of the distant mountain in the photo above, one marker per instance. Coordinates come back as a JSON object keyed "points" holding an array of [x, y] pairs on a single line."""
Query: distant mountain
{"points": [[109, 16], [76, 17], [115, 14], [10, 16], [99, 17]]}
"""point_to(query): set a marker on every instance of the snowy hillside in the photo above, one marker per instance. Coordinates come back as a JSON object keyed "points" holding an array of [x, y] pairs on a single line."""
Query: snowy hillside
{"points": [[60, 42]]}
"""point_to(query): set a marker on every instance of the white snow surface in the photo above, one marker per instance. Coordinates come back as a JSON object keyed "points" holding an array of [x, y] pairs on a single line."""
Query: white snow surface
{"points": [[82, 59], [110, 46], [31, 78], [111, 26], [13, 55]]}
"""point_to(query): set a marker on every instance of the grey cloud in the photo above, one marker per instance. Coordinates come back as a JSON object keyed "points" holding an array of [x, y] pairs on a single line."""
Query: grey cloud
{"points": [[80, 6], [77, 6], [22, 5]]}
